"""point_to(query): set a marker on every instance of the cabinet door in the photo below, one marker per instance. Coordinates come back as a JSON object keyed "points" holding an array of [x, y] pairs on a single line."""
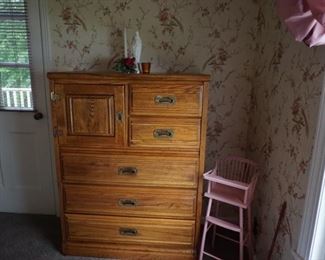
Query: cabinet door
{"points": [[90, 115]]}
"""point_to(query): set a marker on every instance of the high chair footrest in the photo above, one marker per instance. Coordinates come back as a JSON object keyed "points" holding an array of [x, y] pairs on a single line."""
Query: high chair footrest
{"points": [[222, 223]]}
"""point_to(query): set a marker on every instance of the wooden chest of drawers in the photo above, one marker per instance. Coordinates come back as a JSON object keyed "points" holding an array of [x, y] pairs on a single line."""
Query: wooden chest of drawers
{"points": [[129, 156]]}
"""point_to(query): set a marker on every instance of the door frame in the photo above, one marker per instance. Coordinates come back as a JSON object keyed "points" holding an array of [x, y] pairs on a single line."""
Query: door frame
{"points": [[314, 201], [47, 66]]}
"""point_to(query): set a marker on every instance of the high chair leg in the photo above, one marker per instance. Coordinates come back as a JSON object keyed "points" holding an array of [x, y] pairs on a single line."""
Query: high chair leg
{"points": [[250, 233], [215, 227], [213, 235], [205, 229], [241, 234]]}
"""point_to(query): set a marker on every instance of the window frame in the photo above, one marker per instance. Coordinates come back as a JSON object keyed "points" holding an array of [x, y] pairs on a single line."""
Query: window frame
{"points": [[36, 53]]}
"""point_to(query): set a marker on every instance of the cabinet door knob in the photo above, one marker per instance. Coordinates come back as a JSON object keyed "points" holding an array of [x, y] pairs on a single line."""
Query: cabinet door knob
{"points": [[119, 116]]}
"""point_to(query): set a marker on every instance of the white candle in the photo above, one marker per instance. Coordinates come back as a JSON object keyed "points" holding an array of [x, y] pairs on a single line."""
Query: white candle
{"points": [[125, 44]]}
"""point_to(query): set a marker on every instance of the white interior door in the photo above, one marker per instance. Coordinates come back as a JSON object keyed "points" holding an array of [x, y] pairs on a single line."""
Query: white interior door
{"points": [[26, 180], [25, 168]]}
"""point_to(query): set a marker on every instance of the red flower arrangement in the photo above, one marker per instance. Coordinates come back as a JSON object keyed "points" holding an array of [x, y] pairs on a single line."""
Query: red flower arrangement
{"points": [[126, 65]]}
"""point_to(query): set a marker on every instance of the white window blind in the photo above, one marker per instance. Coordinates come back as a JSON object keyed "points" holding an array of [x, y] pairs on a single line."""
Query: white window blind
{"points": [[15, 56]]}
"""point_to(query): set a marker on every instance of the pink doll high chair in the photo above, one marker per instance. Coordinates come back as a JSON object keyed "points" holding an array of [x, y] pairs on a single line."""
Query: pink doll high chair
{"points": [[231, 182]]}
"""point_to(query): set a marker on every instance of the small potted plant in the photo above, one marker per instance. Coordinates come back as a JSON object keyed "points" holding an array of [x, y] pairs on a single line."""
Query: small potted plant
{"points": [[126, 65]]}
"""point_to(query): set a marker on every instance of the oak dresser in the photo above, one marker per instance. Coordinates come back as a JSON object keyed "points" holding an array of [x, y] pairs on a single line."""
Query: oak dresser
{"points": [[129, 157]]}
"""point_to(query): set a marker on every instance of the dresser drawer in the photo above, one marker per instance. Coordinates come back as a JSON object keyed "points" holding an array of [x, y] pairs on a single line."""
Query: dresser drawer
{"points": [[165, 133], [128, 251], [100, 229], [128, 201], [159, 99], [164, 171]]}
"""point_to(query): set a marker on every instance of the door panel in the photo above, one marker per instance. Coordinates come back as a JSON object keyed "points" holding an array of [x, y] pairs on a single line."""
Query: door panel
{"points": [[26, 180], [25, 167], [22, 148], [91, 115], [83, 119]]}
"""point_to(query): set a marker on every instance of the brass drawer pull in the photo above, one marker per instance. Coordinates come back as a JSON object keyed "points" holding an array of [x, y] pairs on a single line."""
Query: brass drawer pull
{"points": [[128, 231], [163, 133], [165, 100], [127, 202], [127, 171]]}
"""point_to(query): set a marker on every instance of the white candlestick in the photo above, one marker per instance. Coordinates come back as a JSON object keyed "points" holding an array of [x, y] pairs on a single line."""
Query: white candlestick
{"points": [[125, 44]]}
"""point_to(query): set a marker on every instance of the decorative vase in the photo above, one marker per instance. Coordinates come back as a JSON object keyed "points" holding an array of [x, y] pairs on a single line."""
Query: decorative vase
{"points": [[137, 48]]}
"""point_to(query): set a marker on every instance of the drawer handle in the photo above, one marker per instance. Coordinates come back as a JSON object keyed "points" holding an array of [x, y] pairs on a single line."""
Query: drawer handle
{"points": [[127, 171], [127, 202], [167, 100], [128, 231], [163, 133]]}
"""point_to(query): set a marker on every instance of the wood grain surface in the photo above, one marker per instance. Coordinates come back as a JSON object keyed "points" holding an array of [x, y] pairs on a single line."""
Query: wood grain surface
{"points": [[130, 153]]}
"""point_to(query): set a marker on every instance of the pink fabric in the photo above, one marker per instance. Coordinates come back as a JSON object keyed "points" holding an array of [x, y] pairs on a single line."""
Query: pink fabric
{"points": [[305, 19], [317, 7]]}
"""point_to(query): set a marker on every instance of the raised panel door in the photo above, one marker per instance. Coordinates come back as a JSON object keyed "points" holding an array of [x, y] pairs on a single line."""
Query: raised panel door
{"points": [[90, 115]]}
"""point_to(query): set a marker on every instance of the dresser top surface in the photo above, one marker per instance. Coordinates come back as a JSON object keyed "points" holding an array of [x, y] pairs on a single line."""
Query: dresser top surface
{"points": [[126, 77]]}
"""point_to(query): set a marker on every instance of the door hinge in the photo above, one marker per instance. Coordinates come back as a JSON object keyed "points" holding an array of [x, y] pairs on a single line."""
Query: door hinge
{"points": [[57, 132], [54, 96]]}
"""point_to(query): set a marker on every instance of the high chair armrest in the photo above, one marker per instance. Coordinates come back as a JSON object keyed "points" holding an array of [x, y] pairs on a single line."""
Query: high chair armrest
{"points": [[235, 184], [208, 173]]}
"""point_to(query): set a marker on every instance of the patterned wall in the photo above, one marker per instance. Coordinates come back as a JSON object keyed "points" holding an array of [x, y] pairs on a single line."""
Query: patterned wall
{"points": [[263, 83], [178, 36], [288, 79]]}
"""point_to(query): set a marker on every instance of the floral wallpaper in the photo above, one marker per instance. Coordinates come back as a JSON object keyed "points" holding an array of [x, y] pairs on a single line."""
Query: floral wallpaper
{"points": [[288, 78], [264, 90], [198, 36]]}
